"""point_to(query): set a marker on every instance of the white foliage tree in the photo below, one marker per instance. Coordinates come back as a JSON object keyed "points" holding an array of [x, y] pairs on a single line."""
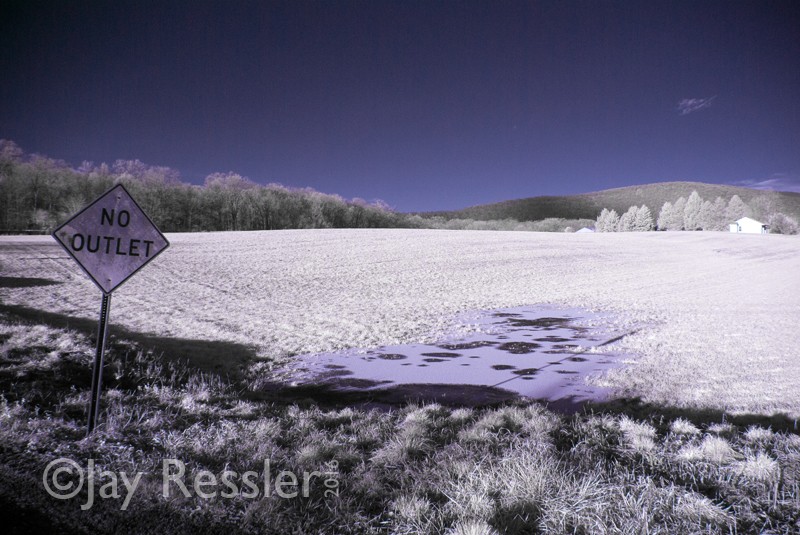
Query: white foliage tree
{"points": [[626, 221], [664, 216], [782, 224], [719, 221], [691, 212], [600, 223], [613, 221], [643, 221], [736, 209], [763, 206], [676, 218], [705, 218], [607, 221]]}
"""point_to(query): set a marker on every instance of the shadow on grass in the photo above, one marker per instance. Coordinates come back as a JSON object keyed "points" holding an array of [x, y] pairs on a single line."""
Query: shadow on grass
{"points": [[229, 360], [664, 415], [18, 519], [339, 391], [26, 282], [226, 359], [364, 394]]}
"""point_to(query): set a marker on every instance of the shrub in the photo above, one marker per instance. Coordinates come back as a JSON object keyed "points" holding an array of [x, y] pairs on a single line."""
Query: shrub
{"points": [[782, 224]]}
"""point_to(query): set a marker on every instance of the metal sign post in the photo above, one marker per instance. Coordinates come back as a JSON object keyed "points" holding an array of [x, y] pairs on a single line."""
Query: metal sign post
{"points": [[110, 239], [97, 371]]}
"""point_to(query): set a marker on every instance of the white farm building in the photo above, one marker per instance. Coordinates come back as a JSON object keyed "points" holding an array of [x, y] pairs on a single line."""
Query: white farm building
{"points": [[746, 225]]}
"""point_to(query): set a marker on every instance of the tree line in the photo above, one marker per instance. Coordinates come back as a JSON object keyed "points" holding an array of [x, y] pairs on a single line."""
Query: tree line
{"points": [[38, 193], [549, 224], [696, 214]]}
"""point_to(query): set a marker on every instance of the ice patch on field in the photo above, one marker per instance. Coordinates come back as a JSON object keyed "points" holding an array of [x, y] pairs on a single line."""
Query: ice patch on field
{"points": [[541, 352]]}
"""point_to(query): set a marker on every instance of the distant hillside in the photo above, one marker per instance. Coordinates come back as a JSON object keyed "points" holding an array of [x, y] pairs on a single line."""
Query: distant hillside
{"points": [[589, 205]]}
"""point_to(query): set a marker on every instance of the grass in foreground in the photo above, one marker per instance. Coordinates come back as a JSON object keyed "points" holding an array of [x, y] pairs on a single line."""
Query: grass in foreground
{"points": [[419, 469]]}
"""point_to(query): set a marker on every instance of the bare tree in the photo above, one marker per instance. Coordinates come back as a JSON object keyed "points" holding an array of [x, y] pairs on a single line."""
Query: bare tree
{"points": [[10, 154], [225, 191]]}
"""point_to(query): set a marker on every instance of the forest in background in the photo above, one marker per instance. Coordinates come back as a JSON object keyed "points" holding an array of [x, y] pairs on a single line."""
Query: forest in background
{"points": [[697, 214], [761, 203], [38, 193]]}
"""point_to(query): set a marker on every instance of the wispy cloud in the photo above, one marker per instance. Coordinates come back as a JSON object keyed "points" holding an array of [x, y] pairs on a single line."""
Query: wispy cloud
{"points": [[776, 182], [691, 105]]}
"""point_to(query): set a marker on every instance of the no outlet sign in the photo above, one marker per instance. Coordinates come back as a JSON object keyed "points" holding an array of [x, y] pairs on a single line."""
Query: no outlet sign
{"points": [[111, 239]]}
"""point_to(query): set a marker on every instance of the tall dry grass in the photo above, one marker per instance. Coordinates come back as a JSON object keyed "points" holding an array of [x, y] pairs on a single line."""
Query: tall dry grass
{"points": [[424, 469]]}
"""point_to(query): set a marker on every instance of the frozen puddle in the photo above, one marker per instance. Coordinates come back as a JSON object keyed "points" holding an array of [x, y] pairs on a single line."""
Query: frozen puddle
{"points": [[540, 352]]}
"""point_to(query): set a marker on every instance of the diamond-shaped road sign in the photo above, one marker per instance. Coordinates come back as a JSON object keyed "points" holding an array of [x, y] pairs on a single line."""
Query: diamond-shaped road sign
{"points": [[111, 239]]}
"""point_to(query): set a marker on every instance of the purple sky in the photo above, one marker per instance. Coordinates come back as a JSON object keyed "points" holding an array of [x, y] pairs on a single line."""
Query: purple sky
{"points": [[426, 105]]}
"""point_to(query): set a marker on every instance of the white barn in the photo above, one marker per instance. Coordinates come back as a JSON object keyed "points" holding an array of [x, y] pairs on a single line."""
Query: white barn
{"points": [[584, 230], [746, 225]]}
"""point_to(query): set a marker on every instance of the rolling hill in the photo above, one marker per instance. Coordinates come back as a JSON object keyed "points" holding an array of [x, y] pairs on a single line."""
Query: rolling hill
{"points": [[589, 205]]}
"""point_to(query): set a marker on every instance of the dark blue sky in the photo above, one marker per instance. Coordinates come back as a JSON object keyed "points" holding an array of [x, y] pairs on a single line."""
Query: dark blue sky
{"points": [[426, 105]]}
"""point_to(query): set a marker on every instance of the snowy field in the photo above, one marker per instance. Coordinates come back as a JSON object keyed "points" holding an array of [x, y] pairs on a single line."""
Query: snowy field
{"points": [[718, 313]]}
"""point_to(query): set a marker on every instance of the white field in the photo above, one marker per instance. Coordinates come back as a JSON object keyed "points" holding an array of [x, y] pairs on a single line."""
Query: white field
{"points": [[721, 312]]}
